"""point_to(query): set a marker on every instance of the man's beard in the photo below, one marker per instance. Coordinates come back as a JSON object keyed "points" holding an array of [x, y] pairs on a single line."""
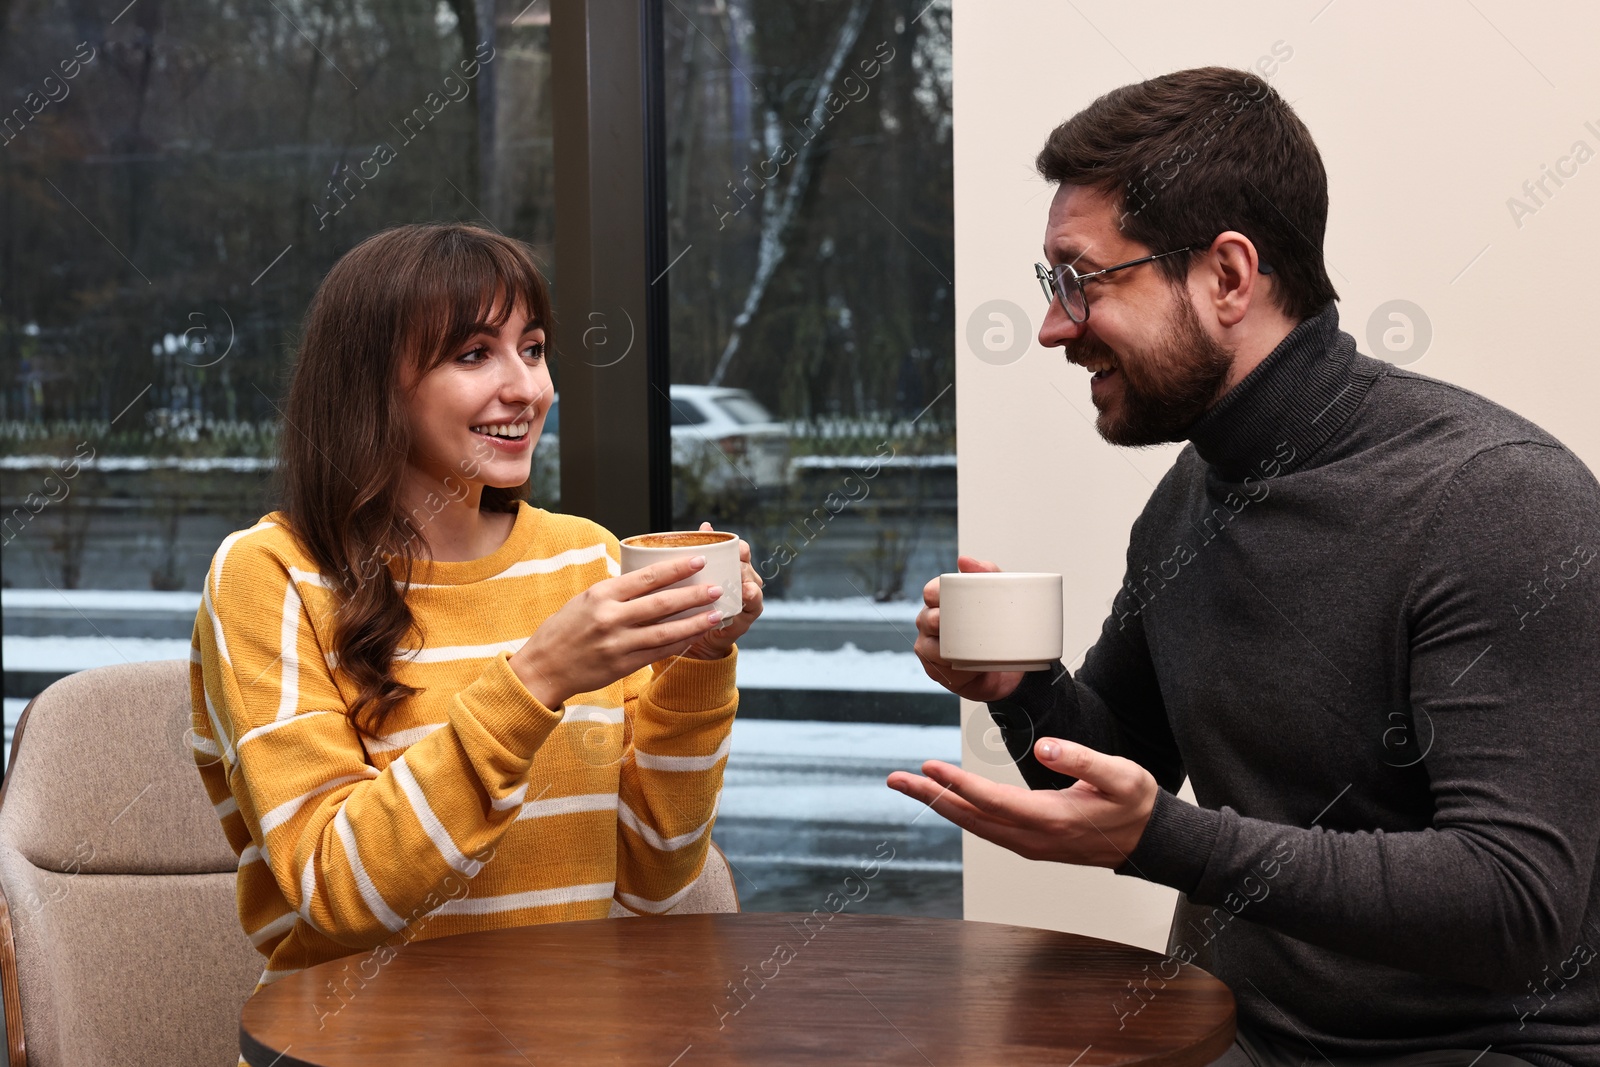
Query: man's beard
{"points": [[1165, 389]]}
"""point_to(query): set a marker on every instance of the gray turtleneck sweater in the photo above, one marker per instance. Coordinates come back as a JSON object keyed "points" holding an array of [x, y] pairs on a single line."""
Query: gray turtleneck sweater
{"points": [[1361, 614]]}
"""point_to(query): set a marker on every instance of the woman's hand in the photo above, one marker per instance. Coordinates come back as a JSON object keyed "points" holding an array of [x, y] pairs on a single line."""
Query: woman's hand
{"points": [[716, 644], [614, 627]]}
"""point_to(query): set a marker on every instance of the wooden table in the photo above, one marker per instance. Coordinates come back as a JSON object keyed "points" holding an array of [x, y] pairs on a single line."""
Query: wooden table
{"points": [[751, 988]]}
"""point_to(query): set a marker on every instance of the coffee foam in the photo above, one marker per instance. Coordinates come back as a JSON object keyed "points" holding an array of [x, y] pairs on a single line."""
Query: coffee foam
{"points": [[684, 539]]}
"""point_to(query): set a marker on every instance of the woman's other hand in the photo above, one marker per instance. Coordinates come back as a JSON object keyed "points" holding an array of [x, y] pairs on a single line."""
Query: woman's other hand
{"points": [[715, 645]]}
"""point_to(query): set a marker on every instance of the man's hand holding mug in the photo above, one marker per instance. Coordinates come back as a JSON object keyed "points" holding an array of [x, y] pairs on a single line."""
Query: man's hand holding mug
{"points": [[1009, 626]]}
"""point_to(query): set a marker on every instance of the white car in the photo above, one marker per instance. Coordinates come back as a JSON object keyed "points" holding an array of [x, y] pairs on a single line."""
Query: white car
{"points": [[722, 437], [726, 438]]}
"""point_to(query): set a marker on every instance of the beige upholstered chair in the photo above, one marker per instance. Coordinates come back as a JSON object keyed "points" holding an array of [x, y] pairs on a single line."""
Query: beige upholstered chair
{"points": [[122, 944], [119, 939]]}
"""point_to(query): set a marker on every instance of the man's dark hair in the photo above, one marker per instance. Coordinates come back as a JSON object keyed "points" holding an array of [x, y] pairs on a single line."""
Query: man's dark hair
{"points": [[1197, 152]]}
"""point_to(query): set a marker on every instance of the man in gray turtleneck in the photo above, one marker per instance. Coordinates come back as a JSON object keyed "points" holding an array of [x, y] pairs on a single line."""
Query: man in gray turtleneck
{"points": [[1361, 614]]}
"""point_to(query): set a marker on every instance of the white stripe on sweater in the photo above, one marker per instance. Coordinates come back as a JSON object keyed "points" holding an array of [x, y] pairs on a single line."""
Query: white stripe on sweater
{"points": [[511, 800], [289, 644], [446, 653], [540, 809], [299, 576], [228, 751], [286, 811], [652, 762], [217, 636], [250, 855], [592, 713], [369, 892], [227, 544], [548, 565], [652, 836], [215, 585], [430, 822], [308, 889], [534, 898], [277, 926], [654, 907], [269, 975], [401, 739], [457, 652], [227, 807], [572, 557], [267, 728]]}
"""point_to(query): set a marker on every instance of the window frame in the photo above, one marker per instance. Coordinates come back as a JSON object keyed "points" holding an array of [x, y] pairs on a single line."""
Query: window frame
{"points": [[611, 258]]}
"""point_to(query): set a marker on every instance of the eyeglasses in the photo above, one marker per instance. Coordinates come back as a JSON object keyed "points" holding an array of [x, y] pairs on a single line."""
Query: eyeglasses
{"points": [[1064, 283]]}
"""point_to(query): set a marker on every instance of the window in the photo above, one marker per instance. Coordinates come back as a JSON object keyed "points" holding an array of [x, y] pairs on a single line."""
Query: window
{"points": [[809, 188], [165, 218]]}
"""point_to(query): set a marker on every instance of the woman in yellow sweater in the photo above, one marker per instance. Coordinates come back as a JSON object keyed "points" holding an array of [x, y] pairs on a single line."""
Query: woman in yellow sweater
{"points": [[422, 706]]}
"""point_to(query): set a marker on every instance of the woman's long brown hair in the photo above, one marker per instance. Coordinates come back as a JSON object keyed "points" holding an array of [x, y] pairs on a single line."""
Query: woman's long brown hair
{"points": [[407, 294]]}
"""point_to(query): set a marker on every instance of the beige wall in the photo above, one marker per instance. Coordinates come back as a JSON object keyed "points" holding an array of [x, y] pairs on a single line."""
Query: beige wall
{"points": [[1429, 117]]}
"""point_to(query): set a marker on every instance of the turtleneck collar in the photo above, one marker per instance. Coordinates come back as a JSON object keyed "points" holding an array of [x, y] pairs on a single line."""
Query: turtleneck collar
{"points": [[1300, 394]]}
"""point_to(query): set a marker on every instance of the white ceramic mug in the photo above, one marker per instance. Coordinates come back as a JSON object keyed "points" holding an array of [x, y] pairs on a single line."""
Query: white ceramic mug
{"points": [[723, 567], [1000, 621]]}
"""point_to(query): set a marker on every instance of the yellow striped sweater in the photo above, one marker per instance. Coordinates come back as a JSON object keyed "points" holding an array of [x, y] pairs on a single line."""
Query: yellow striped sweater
{"points": [[479, 808]]}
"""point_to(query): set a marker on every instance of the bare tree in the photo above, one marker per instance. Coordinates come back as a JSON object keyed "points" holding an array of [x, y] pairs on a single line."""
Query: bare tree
{"points": [[779, 209]]}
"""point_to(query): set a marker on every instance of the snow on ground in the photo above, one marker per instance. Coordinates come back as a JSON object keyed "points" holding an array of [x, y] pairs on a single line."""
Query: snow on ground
{"points": [[770, 740], [848, 609], [140, 463], [834, 863], [816, 797], [107, 600], [878, 741], [829, 771], [847, 668], [253, 463], [66, 654], [13, 712], [856, 462]]}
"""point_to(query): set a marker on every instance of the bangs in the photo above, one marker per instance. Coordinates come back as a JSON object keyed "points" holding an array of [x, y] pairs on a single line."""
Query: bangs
{"points": [[468, 283]]}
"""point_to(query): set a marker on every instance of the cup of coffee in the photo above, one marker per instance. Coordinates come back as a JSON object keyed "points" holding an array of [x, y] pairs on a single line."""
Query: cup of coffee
{"points": [[723, 566], [999, 620]]}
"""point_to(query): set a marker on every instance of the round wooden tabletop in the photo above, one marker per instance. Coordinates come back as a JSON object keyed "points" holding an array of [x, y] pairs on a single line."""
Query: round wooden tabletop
{"points": [[767, 988]]}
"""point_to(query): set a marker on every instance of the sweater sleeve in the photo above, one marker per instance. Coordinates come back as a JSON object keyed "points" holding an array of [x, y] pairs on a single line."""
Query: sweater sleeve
{"points": [[679, 717], [1503, 625], [1114, 704], [354, 851]]}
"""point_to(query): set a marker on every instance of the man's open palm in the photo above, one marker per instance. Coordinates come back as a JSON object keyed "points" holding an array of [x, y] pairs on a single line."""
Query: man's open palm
{"points": [[1097, 822]]}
